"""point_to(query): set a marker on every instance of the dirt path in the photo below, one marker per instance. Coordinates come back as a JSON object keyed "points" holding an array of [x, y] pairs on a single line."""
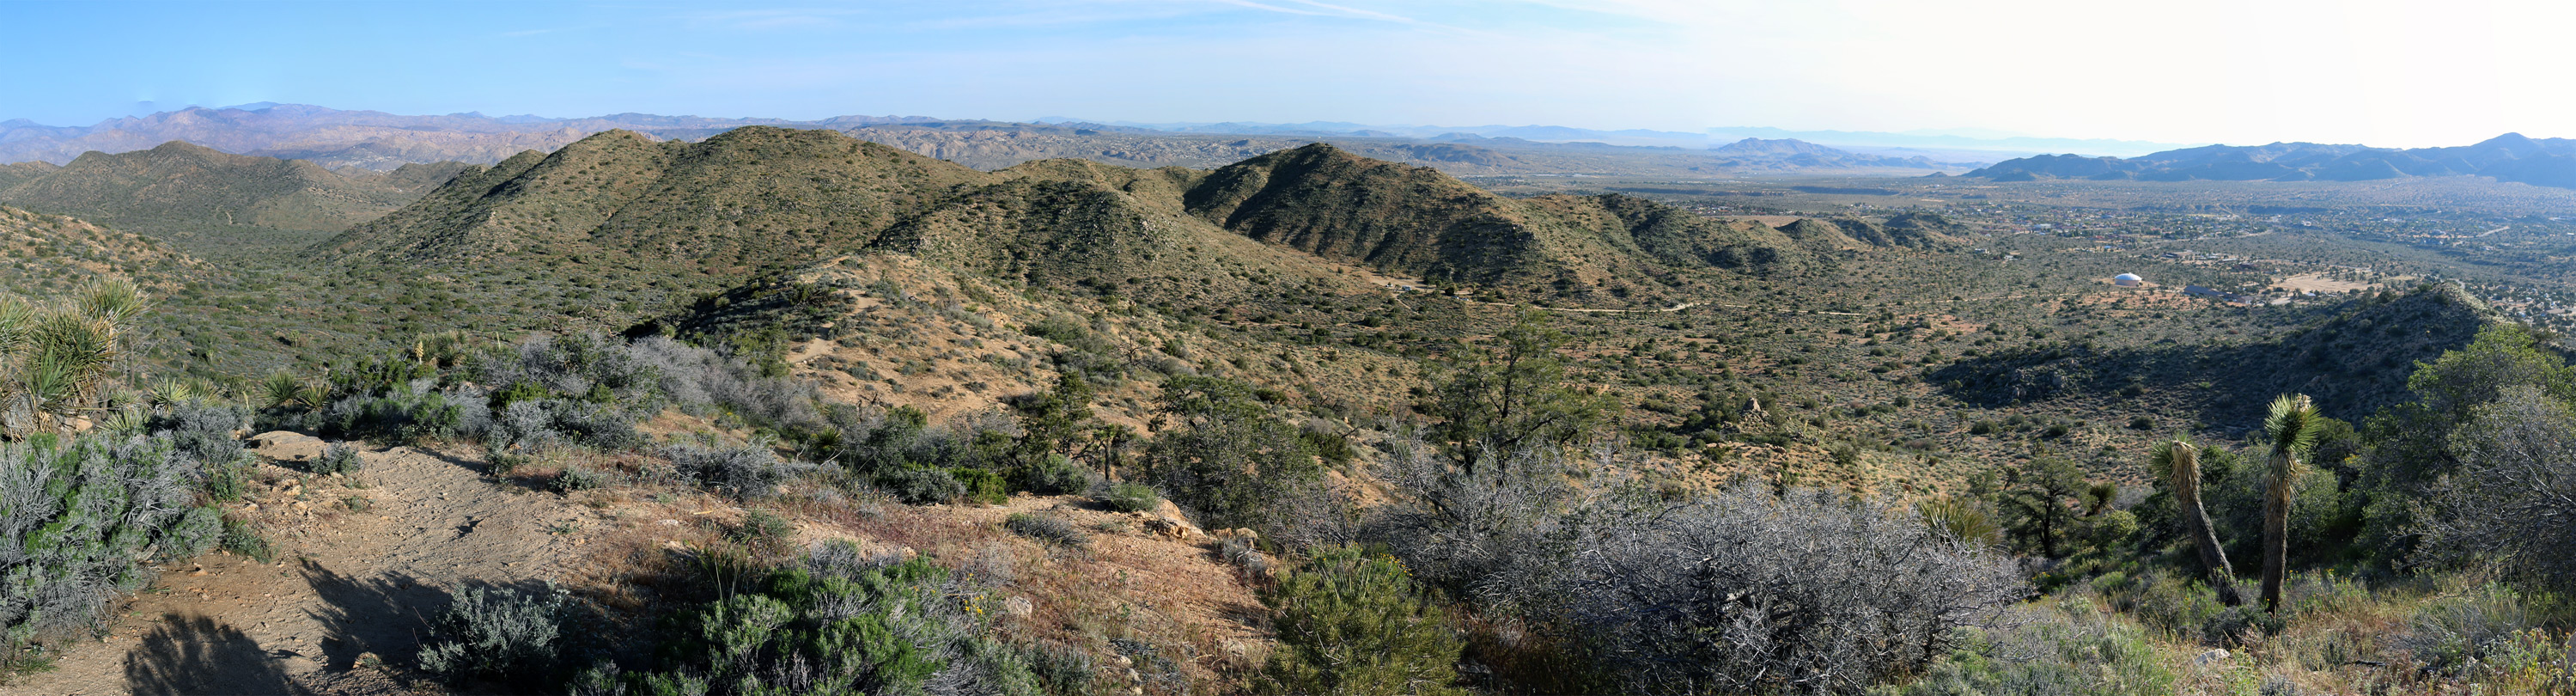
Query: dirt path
{"points": [[343, 584]]}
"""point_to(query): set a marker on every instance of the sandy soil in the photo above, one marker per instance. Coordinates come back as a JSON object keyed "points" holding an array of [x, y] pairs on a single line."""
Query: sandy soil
{"points": [[2313, 282], [344, 587]]}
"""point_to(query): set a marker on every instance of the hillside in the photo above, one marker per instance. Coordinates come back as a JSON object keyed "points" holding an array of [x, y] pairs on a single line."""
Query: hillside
{"points": [[48, 254], [1419, 222], [752, 197], [2353, 361], [2510, 158], [180, 181]]}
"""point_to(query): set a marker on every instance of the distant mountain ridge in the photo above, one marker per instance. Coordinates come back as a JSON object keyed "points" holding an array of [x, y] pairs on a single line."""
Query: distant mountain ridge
{"points": [[380, 141], [2511, 157]]}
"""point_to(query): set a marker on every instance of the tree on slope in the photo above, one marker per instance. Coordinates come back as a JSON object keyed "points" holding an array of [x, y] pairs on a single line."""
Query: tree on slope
{"points": [[2291, 428], [1489, 402], [2181, 461]]}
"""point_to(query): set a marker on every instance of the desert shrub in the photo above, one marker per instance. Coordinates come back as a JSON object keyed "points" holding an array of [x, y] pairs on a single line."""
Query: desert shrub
{"points": [[2042, 650], [585, 367], [542, 423], [1131, 497], [402, 415], [202, 431], [1241, 553], [1054, 475], [696, 378], [1046, 528], [197, 531], [574, 478], [498, 634], [337, 458], [838, 622], [76, 520], [922, 485], [983, 486], [1748, 592], [242, 538], [1493, 533], [761, 529], [2452, 634], [1350, 623], [742, 472]]}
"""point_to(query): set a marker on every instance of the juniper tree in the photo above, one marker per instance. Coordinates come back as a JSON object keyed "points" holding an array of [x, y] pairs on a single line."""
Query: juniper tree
{"points": [[1488, 401]]}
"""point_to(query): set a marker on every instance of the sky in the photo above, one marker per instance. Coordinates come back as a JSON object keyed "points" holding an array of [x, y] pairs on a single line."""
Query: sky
{"points": [[2397, 74]]}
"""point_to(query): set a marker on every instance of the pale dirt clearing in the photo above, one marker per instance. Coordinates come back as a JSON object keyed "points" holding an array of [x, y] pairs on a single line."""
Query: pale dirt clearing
{"points": [[343, 584]]}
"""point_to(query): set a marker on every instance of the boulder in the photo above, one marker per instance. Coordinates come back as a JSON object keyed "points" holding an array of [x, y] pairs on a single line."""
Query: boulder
{"points": [[284, 446]]}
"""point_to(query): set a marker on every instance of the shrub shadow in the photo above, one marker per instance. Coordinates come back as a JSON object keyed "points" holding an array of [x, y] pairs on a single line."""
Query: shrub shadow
{"points": [[197, 655]]}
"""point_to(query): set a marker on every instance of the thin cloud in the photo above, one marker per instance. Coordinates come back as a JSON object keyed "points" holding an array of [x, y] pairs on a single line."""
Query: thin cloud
{"points": [[1324, 9]]}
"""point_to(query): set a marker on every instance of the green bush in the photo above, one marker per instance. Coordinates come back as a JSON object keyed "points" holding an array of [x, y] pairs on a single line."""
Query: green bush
{"points": [[922, 485], [574, 478], [1055, 475], [837, 623], [1350, 623], [498, 634], [337, 458], [763, 530], [1131, 497], [983, 486], [242, 538], [399, 416]]}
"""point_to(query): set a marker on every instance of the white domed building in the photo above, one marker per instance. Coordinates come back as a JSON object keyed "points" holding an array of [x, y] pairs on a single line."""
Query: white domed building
{"points": [[2127, 280]]}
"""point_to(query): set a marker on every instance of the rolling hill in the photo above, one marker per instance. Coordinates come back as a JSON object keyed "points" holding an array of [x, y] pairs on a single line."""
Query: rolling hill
{"points": [[186, 182], [46, 255], [763, 198]]}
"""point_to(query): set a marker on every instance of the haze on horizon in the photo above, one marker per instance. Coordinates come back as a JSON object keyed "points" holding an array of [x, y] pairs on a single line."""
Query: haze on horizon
{"points": [[2379, 73]]}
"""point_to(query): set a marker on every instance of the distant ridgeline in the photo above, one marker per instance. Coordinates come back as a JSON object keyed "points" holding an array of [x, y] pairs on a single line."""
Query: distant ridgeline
{"points": [[2509, 157]]}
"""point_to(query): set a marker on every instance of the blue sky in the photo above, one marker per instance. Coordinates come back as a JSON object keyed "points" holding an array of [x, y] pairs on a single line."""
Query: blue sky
{"points": [[2242, 71]]}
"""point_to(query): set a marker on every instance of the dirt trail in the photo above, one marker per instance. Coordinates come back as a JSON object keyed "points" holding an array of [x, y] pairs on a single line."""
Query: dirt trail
{"points": [[343, 584]]}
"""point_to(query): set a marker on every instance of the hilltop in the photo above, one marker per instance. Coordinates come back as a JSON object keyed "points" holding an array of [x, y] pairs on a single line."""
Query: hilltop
{"points": [[2511, 157], [180, 181]]}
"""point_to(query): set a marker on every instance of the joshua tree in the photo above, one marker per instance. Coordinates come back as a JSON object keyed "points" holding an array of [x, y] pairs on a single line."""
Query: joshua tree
{"points": [[2292, 428], [55, 362], [2182, 462]]}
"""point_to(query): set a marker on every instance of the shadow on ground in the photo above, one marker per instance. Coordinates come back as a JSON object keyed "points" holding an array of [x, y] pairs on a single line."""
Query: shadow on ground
{"points": [[197, 655], [386, 615]]}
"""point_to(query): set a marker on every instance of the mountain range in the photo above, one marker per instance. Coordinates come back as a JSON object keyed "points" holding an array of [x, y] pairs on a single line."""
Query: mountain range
{"points": [[380, 141], [762, 197], [2511, 157]]}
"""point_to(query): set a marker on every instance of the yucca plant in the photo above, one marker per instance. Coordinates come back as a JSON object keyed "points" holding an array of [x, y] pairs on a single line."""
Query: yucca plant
{"points": [[55, 363], [1963, 519], [2292, 428], [2181, 462]]}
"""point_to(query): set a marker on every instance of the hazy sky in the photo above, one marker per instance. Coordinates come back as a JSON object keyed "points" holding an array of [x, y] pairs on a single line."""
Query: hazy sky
{"points": [[2235, 71]]}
